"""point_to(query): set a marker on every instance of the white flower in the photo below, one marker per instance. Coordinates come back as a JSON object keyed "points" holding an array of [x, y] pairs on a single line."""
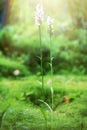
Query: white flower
{"points": [[39, 15], [50, 21], [16, 72]]}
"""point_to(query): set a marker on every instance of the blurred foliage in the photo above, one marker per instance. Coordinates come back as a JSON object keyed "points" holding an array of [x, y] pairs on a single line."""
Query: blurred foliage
{"points": [[69, 55], [20, 42], [77, 11], [10, 68], [2, 5]]}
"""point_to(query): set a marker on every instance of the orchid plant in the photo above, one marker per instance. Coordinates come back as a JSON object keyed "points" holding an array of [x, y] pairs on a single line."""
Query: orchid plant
{"points": [[39, 17]]}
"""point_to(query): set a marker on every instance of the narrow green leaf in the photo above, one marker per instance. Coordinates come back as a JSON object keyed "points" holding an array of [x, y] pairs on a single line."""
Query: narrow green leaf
{"points": [[52, 58], [52, 90], [48, 106]]}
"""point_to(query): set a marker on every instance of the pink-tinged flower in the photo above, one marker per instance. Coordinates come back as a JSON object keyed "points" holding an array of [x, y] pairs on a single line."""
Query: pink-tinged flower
{"points": [[50, 22], [39, 15]]}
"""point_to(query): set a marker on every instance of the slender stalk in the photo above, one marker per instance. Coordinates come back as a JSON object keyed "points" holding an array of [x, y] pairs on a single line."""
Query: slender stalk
{"points": [[41, 58], [51, 69], [50, 25]]}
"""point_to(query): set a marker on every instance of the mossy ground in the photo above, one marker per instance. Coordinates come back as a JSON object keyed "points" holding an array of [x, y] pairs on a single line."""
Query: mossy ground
{"points": [[20, 109]]}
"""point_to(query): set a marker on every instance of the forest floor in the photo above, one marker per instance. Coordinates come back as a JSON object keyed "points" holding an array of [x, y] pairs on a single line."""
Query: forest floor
{"points": [[23, 105]]}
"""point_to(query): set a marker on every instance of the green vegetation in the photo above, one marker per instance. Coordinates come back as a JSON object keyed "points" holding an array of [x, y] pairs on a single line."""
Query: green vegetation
{"points": [[69, 55], [9, 67], [43, 74], [24, 110]]}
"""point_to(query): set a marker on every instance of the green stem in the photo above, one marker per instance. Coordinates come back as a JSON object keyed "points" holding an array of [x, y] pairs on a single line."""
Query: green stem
{"points": [[51, 69], [42, 79], [51, 64]]}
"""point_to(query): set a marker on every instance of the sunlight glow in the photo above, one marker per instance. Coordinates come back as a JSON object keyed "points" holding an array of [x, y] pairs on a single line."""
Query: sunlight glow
{"points": [[22, 11]]}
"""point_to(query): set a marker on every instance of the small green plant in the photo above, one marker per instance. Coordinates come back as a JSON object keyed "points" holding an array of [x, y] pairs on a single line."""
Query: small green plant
{"points": [[2, 115], [50, 108]]}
